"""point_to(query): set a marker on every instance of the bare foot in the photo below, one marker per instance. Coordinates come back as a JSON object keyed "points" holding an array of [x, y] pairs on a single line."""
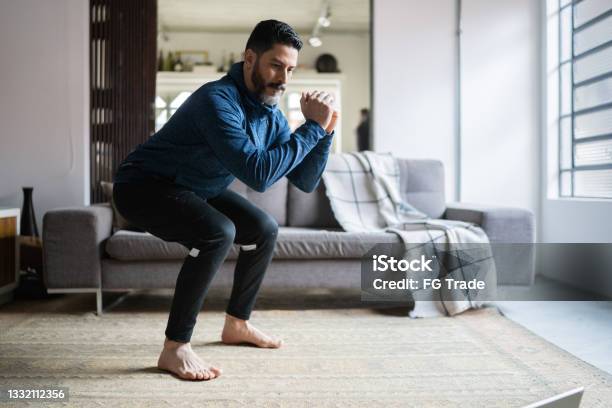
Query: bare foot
{"points": [[180, 359], [238, 331]]}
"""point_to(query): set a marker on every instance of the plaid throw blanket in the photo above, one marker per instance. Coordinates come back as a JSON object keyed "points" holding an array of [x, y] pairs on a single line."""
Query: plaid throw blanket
{"points": [[364, 192]]}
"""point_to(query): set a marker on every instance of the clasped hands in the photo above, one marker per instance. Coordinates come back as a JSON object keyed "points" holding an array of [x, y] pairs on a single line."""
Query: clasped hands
{"points": [[318, 106]]}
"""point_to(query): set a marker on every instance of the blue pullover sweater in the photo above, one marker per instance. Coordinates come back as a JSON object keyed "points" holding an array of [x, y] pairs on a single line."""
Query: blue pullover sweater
{"points": [[222, 132]]}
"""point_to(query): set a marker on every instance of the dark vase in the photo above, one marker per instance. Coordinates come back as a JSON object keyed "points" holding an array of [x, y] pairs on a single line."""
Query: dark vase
{"points": [[28, 218]]}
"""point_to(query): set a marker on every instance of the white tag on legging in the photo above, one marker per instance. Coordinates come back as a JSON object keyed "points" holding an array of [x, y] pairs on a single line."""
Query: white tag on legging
{"points": [[194, 252], [249, 247]]}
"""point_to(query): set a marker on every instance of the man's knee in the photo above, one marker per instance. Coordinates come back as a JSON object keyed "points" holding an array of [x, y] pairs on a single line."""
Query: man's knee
{"points": [[265, 231], [223, 235], [268, 227], [227, 232]]}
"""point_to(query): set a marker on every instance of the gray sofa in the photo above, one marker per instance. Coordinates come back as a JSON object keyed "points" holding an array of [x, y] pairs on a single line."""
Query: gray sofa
{"points": [[83, 252]]}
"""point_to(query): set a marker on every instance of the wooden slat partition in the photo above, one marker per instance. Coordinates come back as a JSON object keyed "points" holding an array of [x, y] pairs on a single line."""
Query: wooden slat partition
{"points": [[123, 66]]}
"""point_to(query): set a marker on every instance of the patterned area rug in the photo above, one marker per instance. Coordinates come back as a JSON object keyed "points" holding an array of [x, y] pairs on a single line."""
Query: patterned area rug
{"points": [[345, 356]]}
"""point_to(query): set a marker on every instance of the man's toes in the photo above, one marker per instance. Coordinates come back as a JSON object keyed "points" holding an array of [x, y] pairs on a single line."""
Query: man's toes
{"points": [[273, 343], [216, 371], [206, 374], [188, 375]]}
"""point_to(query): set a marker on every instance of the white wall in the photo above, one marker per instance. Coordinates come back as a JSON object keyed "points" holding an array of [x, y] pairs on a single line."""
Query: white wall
{"points": [[500, 68], [351, 50], [415, 86], [44, 103], [414, 81]]}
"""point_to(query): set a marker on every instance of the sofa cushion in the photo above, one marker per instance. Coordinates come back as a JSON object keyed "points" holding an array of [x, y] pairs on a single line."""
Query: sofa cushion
{"points": [[273, 200], [292, 243], [310, 210], [422, 185], [310, 243], [127, 245]]}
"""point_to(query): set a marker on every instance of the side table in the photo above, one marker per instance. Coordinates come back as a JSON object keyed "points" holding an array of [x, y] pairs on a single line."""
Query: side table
{"points": [[31, 283]]}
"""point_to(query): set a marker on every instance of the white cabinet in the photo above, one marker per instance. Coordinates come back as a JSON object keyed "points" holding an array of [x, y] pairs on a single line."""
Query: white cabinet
{"points": [[174, 87]]}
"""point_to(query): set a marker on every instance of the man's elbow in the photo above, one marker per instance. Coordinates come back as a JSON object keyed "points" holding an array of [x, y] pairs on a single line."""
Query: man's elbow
{"points": [[308, 188]]}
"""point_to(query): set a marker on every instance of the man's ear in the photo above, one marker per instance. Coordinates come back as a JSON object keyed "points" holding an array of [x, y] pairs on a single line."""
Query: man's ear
{"points": [[249, 58]]}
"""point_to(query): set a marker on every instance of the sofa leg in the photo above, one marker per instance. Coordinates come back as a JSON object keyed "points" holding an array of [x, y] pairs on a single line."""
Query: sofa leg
{"points": [[112, 300], [99, 308]]}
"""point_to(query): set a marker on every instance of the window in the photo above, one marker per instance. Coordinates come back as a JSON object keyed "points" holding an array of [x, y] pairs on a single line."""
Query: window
{"points": [[166, 106], [584, 97], [292, 107]]}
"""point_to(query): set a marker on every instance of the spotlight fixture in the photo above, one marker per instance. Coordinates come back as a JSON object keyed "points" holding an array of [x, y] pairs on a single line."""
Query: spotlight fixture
{"points": [[315, 41], [325, 15]]}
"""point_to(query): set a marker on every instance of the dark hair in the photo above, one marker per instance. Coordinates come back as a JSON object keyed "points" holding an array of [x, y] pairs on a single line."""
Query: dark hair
{"points": [[269, 32]]}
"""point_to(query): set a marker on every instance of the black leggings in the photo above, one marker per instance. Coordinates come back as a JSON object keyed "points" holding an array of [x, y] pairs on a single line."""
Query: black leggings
{"points": [[208, 228]]}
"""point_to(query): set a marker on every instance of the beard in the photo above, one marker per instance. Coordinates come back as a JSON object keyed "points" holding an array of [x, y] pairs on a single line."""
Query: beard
{"points": [[261, 86]]}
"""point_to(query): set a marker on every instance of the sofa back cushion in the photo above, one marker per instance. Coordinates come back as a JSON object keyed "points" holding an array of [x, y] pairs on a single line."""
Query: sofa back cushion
{"points": [[273, 201], [421, 184], [310, 210]]}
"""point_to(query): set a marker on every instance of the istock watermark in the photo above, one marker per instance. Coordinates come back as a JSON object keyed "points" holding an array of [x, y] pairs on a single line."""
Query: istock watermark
{"points": [[383, 263], [401, 273], [486, 272]]}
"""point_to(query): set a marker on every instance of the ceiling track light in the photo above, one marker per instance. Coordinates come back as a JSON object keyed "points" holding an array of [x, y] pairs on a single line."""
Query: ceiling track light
{"points": [[322, 21], [324, 18], [315, 40]]}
